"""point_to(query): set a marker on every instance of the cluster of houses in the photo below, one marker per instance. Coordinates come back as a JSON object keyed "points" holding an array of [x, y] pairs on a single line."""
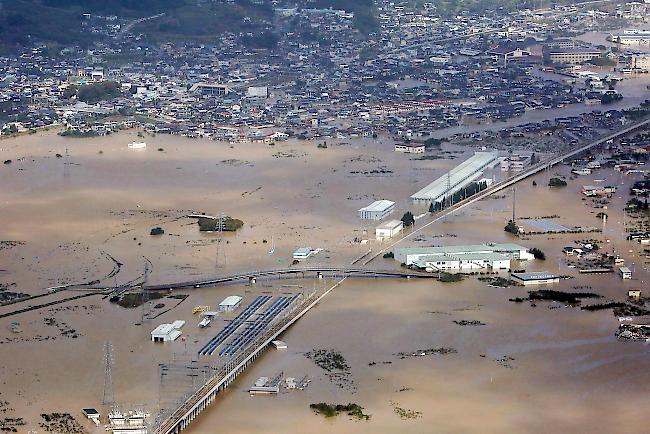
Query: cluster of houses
{"points": [[321, 80]]}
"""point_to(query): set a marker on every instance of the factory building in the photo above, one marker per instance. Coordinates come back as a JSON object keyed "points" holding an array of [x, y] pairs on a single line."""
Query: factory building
{"points": [[257, 92], [573, 56], [388, 230], [535, 278], [457, 178], [481, 256], [641, 62], [167, 332], [302, 253], [377, 210], [409, 148], [210, 89], [230, 303], [632, 37]]}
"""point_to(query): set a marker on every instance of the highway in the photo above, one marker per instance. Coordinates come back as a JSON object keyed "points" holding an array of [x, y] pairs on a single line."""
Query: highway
{"points": [[514, 180], [297, 272]]}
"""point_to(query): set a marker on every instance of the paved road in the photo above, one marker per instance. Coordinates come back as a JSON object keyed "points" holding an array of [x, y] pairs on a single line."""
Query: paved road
{"points": [[124, 30], [342, 271]]}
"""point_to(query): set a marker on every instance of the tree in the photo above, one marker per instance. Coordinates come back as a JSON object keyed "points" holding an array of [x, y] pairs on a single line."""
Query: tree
{"points": [[432, 143], [157, 231], [408, 218], [538, 254], [556, 182], [512, 227]]}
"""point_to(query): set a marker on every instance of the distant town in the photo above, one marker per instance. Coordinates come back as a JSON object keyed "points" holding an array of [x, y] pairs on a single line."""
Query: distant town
{"points": [[318, 79]]}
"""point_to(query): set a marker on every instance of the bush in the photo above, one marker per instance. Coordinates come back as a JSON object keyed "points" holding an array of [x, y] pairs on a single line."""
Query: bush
{"points": [[557, 182], [408, 218], [449, 277], [512, 227], [537, 253], [212, 225], [432, 143], [389, 255], [157, 231]]}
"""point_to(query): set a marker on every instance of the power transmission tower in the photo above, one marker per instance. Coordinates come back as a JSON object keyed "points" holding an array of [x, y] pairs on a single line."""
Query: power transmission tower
{"points": [[146, 305], [220, 260], [66, 166], [108, 398]]}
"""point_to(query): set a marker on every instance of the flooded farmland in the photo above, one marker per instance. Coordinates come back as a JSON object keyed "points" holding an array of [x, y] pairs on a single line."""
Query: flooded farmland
{"points": [[71, 214]]}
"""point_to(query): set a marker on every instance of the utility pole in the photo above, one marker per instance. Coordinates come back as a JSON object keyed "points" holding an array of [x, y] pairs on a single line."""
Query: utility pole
{"points": [[66, 166], [108, 398], [514, 199], [146, 306], [221, 251]]}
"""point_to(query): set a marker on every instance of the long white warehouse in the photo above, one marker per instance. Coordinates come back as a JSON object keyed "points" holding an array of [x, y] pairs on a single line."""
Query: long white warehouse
{"points": [[377, 210], [480, 256], [457, 178]]}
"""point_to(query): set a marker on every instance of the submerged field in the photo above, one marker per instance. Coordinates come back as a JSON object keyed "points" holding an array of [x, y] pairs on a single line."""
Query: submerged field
{"points": [[519, 370]]}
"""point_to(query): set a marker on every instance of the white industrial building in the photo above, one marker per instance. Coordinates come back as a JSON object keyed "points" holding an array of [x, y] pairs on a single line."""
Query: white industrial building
{"points": [[457, 178], [388, 230], [257, 92], [535, 278], [481, 256], [210, 89], [303, 253], [167, 332], [377, 210], [625, 273], [632, 37], [230, 303], [409, 148]]}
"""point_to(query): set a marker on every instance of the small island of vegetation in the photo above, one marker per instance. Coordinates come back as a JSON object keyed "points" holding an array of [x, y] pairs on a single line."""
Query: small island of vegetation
{"points": [[331, 410]]}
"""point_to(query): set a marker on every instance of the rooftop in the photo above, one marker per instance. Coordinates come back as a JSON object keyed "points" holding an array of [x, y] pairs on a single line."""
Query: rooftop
{"points": [[231, 300], [457, 177], [463, 249], [378, 206], [535, 275], [392, 224]]}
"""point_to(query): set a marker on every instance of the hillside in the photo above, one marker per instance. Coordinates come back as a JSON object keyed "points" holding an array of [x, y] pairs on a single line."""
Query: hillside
{"points": [[60, 21]]}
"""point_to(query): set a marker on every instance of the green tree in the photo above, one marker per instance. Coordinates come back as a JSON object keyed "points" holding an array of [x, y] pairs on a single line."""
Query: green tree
{"points": [[512, 227], [408, 218], [538, 254]]}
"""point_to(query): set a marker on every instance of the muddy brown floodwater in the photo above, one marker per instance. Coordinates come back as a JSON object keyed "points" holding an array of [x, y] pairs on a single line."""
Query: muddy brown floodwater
{"points": [[547, 368]]}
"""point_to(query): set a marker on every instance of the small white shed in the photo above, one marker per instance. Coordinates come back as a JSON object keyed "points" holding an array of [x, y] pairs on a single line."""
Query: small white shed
{"points": [[230, 303]]}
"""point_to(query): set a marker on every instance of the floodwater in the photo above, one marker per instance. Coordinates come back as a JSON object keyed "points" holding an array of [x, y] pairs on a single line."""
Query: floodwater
{"points": [[567, 373]]}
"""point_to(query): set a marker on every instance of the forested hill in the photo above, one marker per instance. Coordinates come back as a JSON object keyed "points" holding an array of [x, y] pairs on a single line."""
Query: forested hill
{"points": [[60, 21]]}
